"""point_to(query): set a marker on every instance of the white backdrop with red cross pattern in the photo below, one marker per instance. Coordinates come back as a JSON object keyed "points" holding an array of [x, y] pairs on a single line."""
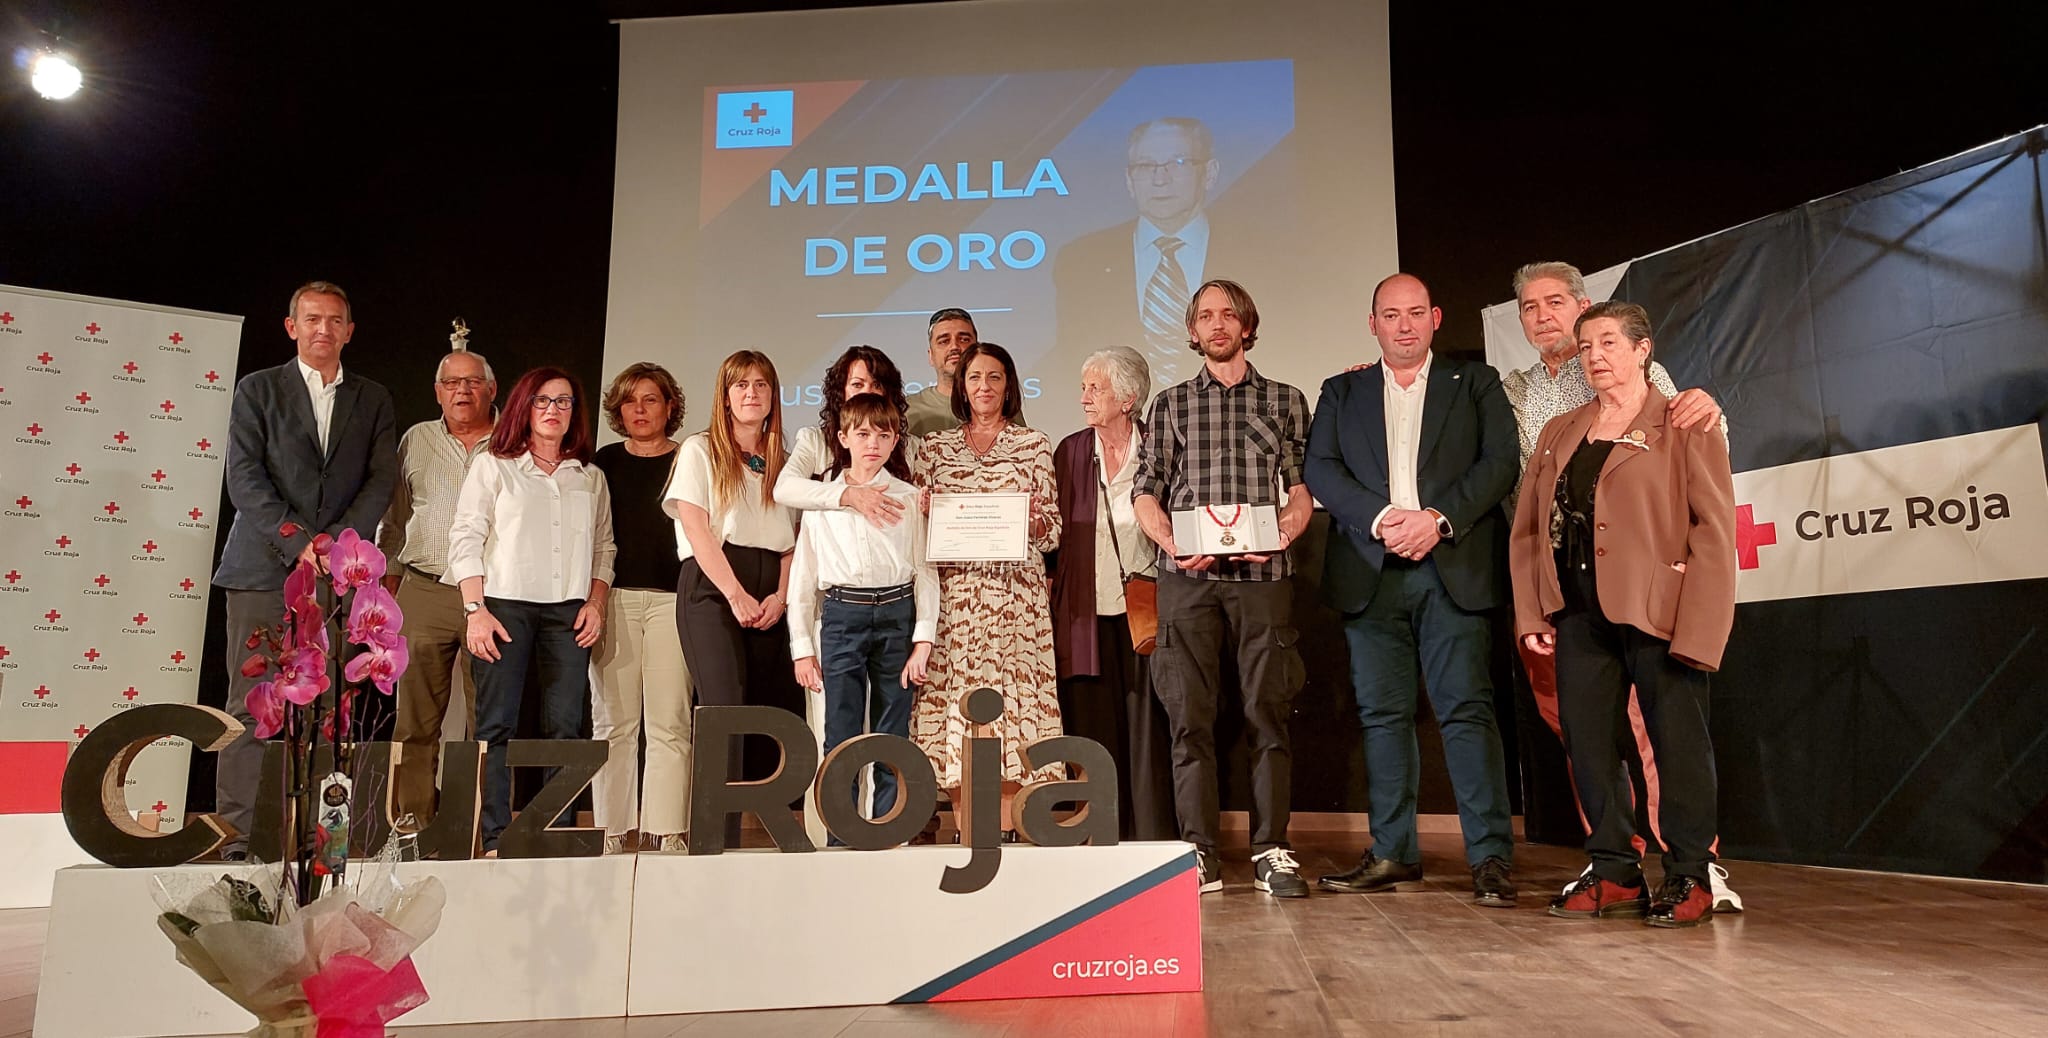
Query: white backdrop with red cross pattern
{"points": [[116, 417]]}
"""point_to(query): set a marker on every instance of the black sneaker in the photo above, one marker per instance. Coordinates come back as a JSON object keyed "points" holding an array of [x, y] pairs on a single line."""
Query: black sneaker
{"points": [[1277, 873], [1209, 870], [1491, 887]]}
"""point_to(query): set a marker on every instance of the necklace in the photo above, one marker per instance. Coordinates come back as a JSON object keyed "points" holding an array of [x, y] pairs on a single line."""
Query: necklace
{"points": [[1226, 540], [757, 464]]}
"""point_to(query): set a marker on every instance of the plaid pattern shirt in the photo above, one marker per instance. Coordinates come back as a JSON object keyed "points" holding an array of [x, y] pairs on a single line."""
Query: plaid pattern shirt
{"points": [[1210, 444]]}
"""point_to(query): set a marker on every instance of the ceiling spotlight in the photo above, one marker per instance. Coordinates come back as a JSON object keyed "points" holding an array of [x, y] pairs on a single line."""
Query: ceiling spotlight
{"points": [[55, 76]]}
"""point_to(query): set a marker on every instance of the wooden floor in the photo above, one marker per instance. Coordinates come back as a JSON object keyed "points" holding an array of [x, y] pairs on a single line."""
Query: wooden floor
{"points": [[1819, 952]]}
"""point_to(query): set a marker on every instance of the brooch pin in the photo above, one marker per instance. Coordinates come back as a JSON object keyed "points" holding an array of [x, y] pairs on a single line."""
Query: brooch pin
{"points": [[1635, 438]]}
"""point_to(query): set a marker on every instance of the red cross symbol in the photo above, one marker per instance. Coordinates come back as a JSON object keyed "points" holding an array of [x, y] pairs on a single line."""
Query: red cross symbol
{"points": [[168, 406], [178, 657], [3, 652], [129, 693], [93, 328], [83, 397], [53, 616], [12, 576], [80, 731], [91, 654], [23, 501], [158, 475], [73, 468], [1751, 535], [176, 338], [121, 437], [149, 546], [754, 113], [44, 357], [205, 446], [42, 691], [212, 377], [102, 580], [195, 514], [186, 583], [35, 428], [6, 318], [129, 367], [141, 618], [63, 540], [111, 508], [159, 807]]}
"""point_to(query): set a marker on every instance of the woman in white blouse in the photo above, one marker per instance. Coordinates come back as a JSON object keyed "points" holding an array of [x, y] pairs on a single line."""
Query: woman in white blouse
{"points": [[802, 485], [735, 540], [531, 548]]}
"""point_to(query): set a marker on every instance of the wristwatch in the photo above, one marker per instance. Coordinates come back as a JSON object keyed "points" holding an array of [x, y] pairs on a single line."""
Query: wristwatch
{"points": [[471, 607], [1443, 525]]}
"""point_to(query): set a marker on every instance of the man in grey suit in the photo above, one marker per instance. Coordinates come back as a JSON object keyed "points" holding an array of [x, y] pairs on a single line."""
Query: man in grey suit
{"points": [[307, 446]]}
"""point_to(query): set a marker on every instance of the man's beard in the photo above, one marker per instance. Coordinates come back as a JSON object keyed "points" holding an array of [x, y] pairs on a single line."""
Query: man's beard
{"points": [[1224, 353]]}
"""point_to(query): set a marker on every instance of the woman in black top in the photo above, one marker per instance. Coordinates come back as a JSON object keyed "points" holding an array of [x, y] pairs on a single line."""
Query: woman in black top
{"points": [[641, 676]]}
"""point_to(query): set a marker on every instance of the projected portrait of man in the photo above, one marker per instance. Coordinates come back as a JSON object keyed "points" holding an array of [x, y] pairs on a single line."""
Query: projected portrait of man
{"points": [[1129, 284]]}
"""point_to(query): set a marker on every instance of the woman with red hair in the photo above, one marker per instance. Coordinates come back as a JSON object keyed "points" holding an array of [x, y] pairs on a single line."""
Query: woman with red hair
{"points": [[531, 548]]}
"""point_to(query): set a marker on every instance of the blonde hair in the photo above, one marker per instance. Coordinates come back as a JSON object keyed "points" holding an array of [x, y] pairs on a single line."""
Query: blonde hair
{"points": [[728, 468]]}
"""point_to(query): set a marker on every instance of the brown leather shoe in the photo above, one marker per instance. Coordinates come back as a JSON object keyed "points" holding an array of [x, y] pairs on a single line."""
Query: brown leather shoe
{"points": [[1373, 876], [1590, 897]]}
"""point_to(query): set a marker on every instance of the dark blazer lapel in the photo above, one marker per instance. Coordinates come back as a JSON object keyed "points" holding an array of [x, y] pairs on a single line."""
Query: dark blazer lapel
{"points": [[291, 390], [1650, 423], [344, 402], [1436, 407], [1573, 436], [1372, 424]]}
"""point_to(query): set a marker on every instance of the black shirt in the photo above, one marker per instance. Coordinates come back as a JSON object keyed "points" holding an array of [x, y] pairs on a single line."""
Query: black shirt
{"points": [[645, 535], [1572, 530]]}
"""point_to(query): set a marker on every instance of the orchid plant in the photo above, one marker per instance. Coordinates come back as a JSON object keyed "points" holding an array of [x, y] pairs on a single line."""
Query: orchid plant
{"points": [[298, 657]]}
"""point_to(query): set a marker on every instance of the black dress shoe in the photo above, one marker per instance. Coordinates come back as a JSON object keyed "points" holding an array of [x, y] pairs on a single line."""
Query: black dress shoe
{"points": [[1491, 887], [1373, 876]]}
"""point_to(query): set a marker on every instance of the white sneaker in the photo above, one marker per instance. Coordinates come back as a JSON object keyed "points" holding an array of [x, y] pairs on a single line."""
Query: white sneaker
{"points": [[1725, 897], [614, 844], [675, 843]]}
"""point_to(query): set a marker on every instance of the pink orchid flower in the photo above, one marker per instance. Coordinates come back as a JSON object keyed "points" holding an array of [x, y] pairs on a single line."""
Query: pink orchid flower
{"points": [[302, 674], [374, 617], [267, 707], [381, 664], [308, 626], [354, 562]]}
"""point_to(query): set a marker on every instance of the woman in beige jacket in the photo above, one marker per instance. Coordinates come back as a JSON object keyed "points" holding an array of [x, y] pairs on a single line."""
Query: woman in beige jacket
{"points": [[1623, 557]]}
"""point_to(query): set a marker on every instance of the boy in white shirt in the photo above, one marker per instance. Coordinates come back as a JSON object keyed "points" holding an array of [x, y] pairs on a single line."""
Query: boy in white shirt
{"points": [[877, 596]]}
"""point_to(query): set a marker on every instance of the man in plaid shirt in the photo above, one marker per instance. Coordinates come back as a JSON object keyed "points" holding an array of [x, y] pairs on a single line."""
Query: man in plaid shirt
{"points": [[1228, 436]]}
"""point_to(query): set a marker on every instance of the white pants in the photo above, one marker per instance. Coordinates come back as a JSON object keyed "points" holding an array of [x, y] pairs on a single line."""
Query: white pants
{"points": [[639, 673]]}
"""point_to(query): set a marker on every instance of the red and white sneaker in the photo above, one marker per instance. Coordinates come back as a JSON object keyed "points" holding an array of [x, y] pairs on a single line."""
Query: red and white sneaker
{"points": [[1681, 902]]}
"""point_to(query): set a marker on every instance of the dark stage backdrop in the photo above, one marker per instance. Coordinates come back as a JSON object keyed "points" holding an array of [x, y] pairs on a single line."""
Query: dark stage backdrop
{"points": [[1857, 726]]}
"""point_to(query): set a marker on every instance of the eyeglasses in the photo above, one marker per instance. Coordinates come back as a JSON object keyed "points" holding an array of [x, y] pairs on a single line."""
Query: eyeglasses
{"points": [[1172, 167], [453, 384], [561, 403]]}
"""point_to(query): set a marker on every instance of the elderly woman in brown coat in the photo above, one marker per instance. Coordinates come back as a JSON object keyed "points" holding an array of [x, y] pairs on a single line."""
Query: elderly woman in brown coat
{"points": [[1623, 556]]}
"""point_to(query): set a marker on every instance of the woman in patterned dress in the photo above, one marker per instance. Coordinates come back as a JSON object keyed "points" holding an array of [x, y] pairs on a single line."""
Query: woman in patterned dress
{"points": [[995, 622]]}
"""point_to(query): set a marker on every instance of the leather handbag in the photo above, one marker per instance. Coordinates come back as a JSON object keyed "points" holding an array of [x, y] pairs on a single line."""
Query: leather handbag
{"points": [[1141, 610]]}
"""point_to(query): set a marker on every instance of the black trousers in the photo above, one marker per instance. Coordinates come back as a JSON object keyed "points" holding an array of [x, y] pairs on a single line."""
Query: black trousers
{"points": [[1194, 617], [1597, 660], [732, 665], [1117, 709]]}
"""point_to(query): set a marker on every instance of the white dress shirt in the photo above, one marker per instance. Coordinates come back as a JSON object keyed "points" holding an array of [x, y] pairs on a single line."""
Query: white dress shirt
{"points": [[744, 520], [1404, 439], [532, 536], [322, 395], [1193, 255], [798, 488], [1119, 543], [840, 548]]}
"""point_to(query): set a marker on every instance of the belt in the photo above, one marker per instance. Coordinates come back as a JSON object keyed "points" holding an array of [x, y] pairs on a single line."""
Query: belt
{"points": [[870, 596], [435, 577]]}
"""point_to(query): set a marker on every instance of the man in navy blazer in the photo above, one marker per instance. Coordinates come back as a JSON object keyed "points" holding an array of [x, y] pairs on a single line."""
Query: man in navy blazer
{"points": [[309, 446], [1412, 457]]}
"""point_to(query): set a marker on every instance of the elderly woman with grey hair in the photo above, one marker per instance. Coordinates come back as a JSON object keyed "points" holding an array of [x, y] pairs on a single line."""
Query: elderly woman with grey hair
{"points": [[1105, 683]]}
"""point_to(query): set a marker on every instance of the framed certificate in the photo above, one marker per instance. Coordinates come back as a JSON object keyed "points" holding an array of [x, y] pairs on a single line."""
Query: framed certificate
{"points": [[993, 527], [1227, 529]]}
